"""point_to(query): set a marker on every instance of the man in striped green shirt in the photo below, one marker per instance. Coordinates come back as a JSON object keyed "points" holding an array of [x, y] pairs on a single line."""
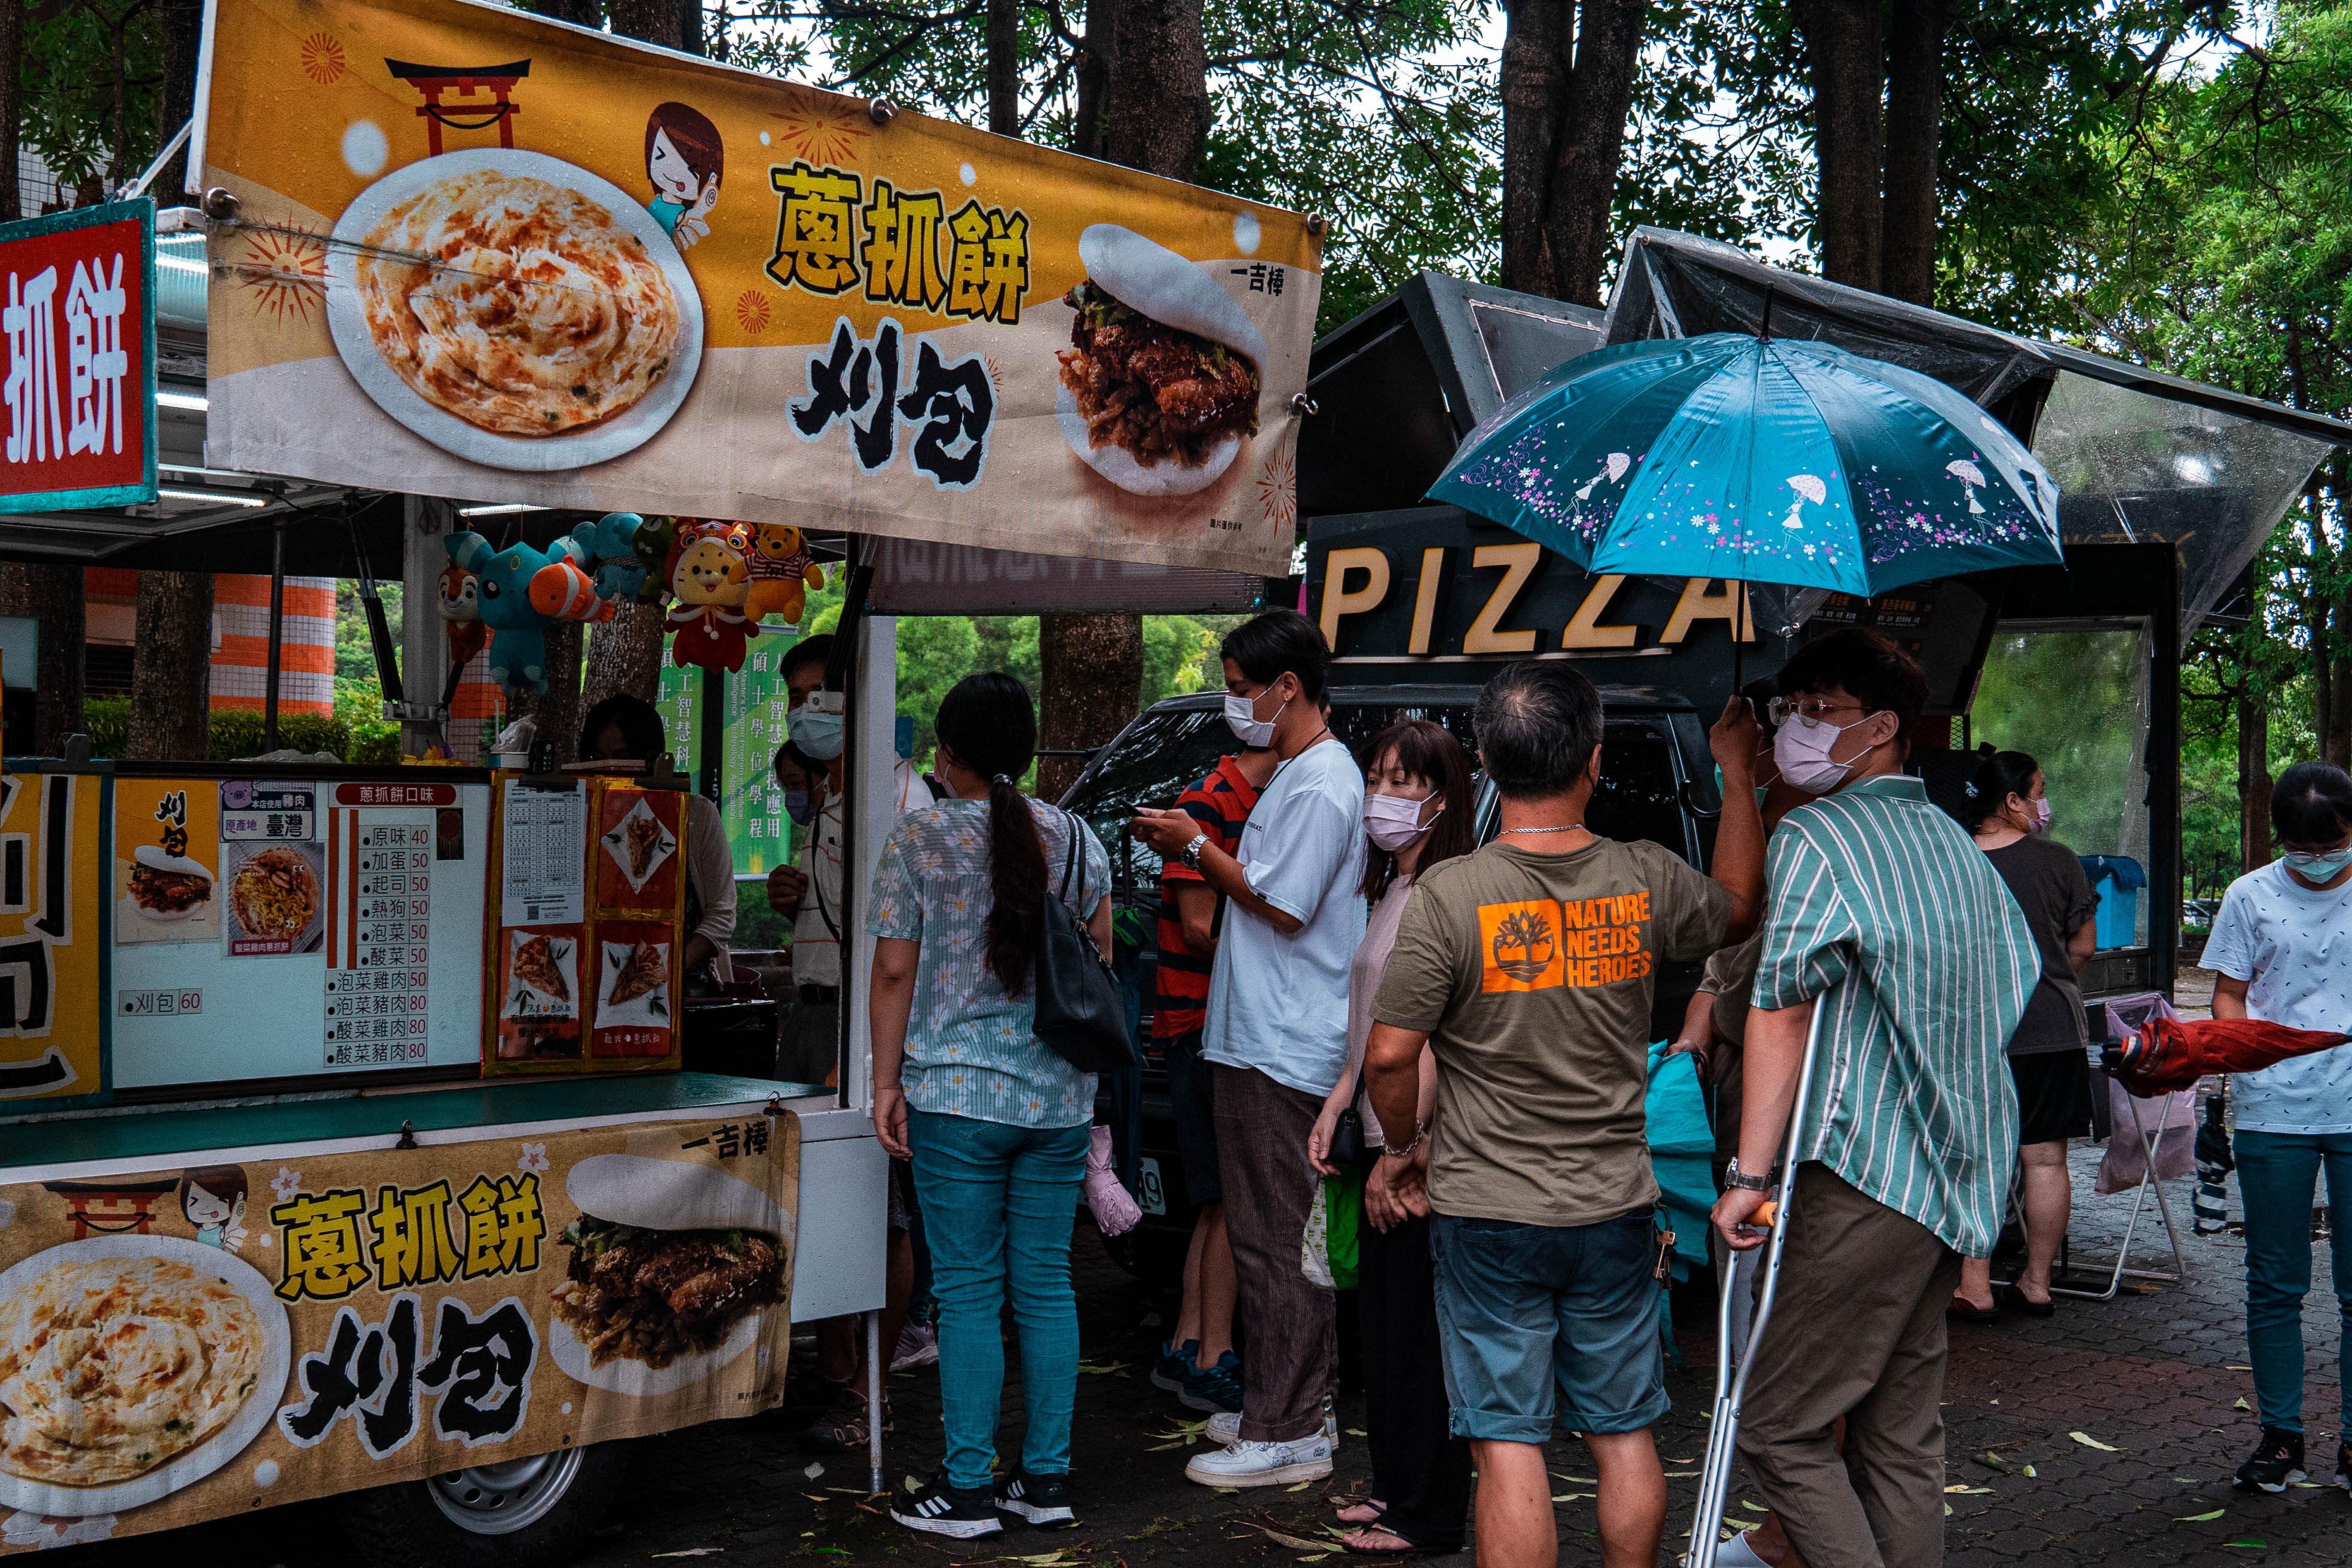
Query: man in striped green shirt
{"points": [[1884, 913]]}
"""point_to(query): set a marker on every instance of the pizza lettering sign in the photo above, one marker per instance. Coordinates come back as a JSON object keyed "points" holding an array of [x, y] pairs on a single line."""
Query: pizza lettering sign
{"points": [[79, 401]]}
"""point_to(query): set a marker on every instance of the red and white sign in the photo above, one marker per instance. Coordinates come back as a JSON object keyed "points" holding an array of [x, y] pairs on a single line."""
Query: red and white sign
{"points": [[77, 402]]}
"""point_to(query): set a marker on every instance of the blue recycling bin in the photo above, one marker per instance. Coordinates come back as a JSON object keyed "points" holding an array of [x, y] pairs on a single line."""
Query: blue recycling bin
{"points": [[2117, 879]]}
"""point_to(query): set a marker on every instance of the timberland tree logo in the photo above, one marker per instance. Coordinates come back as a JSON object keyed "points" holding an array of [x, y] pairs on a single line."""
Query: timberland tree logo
{"points": [[1540, 945]]}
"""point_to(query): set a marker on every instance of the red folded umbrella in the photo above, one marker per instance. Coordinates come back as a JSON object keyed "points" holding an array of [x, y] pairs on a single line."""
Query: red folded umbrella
{"points": [[2169, 1053]]}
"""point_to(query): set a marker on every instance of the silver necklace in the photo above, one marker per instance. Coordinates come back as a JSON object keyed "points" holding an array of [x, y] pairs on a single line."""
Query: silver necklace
{"points": [[1570, 827]]}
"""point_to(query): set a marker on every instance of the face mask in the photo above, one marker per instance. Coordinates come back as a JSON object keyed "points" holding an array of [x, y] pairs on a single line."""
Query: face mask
{"points": [[816, 731], [1803, 752], [2320, 867], [2040, 817], [1241, 714], [796, 806], [1392, 822]]}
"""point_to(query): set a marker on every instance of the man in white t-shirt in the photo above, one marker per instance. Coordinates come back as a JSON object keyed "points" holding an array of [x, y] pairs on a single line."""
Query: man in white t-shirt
{"points": [[1276, 1032], [2282, 952]]}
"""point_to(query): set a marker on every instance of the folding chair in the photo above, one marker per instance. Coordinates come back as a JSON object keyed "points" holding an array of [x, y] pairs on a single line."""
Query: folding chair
{"points": [[2111, 1057]]}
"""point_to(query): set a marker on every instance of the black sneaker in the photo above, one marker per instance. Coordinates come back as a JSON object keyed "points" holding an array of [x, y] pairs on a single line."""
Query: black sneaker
{"points": [[2277, 1462], [1174, 1365], [1040, 1499], [2344, 1466], [938, 1508]]}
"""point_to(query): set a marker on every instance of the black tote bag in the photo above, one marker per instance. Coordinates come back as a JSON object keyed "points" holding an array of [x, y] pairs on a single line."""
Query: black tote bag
{"points": [[1081, 1016]]}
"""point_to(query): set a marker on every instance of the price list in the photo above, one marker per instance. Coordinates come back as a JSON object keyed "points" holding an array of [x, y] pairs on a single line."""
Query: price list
{"points": [[378, 983]]}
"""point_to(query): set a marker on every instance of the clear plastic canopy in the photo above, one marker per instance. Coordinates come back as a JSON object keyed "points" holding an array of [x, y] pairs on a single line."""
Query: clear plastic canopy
{"points": [[2132, 467]]}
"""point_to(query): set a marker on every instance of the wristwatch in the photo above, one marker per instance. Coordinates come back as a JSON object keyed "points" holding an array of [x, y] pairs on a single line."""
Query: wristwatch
{"points": [[1192, 855], [1732, 1176]]}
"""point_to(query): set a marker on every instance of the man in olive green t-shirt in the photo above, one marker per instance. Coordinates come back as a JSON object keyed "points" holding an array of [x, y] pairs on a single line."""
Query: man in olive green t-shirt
{"points": [[1529, 968]]}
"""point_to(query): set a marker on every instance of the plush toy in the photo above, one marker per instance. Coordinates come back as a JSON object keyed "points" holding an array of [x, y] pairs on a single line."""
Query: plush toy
{"points": [[782, 571], [611, 543], [461, 614], [563, 591], [519, 652], [653, 541], [711, 579]]}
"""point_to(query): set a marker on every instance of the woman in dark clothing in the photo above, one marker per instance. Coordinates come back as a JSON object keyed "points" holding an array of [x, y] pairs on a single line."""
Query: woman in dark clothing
{"points": [[2008, 812]]}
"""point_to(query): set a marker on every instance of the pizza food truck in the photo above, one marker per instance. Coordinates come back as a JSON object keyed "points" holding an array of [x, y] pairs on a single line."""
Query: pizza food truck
{"points": [[2169, 489], [346, 1102]]}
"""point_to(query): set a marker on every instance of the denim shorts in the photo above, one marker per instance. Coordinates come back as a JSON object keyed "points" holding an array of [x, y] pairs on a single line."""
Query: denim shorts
{"points": [[1523, 1308]]}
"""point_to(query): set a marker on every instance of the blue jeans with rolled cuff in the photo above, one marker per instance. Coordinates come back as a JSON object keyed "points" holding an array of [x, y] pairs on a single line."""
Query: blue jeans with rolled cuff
{"points": [[999, 1203]]}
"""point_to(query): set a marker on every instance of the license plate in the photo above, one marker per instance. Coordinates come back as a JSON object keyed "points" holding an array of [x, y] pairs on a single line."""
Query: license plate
{"points": [[1153, 1196]]}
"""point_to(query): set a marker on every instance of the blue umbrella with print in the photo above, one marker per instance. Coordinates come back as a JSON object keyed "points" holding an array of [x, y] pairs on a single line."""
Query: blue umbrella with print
{"points": [[1762, 459]]}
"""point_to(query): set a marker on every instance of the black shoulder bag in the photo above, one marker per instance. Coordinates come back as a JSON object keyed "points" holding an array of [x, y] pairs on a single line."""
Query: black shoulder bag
{"points": [[1349, 1150], [1081, 1016]]}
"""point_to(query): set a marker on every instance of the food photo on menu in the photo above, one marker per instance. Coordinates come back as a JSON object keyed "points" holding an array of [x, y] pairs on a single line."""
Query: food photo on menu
{"points": [[275, 899]]}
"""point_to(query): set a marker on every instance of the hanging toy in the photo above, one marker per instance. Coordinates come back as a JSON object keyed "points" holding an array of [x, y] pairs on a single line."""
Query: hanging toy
{"points": [[655, 537], [518, 655], [710, 580], [781, 567], [461, 614], [561, 591], [611, 543]]}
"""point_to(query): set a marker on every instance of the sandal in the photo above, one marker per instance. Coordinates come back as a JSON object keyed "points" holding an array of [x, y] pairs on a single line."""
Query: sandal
{"points": [[1405, 1547], [1963, 1311], [1377, 1509], [2011, 1296], [842, 1428]]}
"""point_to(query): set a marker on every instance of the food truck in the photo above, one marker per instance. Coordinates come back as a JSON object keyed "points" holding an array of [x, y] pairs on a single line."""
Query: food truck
{"points": [[345, 1103]]}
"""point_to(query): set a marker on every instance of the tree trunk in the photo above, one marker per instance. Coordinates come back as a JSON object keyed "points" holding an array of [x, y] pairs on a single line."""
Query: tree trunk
{"points": [[2253, 779], [579, 13], [12, 74], [624, 655], [1091, 69], [183, 29], [1534, 80], [652, 21], [1583, 175], [1914, 117], [52, 596], [1155, 117], [170, 668], [1847, 62], [1156, 112], [689, 26], [1092, 670], [557, 710], [1004, 67]]}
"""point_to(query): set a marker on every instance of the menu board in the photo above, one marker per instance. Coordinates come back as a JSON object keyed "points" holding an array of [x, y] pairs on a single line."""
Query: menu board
{"points": [[378, 957], [540, 880]]}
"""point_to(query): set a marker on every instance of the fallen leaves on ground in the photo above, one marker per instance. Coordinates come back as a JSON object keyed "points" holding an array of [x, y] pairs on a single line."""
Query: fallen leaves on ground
{"points": [[2090, 1442], [2198, 1517], [1102, 1370], [694, 1551]]}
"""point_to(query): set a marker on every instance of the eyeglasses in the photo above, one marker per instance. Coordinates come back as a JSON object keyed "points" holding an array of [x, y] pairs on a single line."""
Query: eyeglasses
{"points": [[1808, 711]]}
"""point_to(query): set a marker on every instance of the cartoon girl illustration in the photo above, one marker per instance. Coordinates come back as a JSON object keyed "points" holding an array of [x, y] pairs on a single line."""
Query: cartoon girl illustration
{"points": [[213, 1199], [683, 158]]}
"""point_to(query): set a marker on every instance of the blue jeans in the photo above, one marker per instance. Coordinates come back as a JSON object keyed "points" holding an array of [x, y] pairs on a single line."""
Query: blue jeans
{"points": [[999, 1203], [2278, 1176]]}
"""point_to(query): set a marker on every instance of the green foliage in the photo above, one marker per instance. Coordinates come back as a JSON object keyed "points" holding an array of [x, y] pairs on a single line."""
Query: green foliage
{"points": [[75, 58], [236, 732]]}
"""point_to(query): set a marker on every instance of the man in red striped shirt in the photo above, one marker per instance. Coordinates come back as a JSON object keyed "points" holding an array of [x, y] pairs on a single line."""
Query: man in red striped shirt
{"points": [[1197, 1363]]}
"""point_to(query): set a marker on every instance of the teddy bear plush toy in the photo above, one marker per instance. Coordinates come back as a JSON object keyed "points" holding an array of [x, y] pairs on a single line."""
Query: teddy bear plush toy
{"points": [[782, 571], [710, 579]]}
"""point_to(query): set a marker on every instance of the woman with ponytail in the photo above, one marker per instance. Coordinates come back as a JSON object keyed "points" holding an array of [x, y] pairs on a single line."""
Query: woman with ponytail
{"points": [[995, 1124], [2006, 808]]}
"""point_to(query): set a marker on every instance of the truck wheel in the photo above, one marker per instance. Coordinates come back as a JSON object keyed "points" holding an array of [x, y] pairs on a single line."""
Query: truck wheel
{"points": [[521, 1513]]}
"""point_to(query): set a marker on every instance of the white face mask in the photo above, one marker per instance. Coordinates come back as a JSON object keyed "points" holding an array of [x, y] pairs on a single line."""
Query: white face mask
{"points": [[1241, 714], [1803, 750], [1391, 822]]}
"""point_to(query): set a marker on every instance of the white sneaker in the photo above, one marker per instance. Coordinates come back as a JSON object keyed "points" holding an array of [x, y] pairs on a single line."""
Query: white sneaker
{"points": [[1263, 1463], [918, 1346], [1225, 1427]]}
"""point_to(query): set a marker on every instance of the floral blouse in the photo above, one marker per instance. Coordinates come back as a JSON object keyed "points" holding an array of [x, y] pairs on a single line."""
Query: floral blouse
{"points": [[971, 1049]]}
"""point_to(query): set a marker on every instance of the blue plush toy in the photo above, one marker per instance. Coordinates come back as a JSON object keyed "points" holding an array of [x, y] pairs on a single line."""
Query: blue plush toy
{"points": [[518, 653], [610, 543]]}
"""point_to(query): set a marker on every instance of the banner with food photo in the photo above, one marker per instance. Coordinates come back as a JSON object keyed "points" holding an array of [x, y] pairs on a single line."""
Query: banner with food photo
{"points": [[479, 253], [282, 1329]]}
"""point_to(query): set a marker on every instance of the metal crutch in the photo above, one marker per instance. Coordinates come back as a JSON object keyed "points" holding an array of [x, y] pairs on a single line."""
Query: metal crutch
{"points": [[1715, 1475]]}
